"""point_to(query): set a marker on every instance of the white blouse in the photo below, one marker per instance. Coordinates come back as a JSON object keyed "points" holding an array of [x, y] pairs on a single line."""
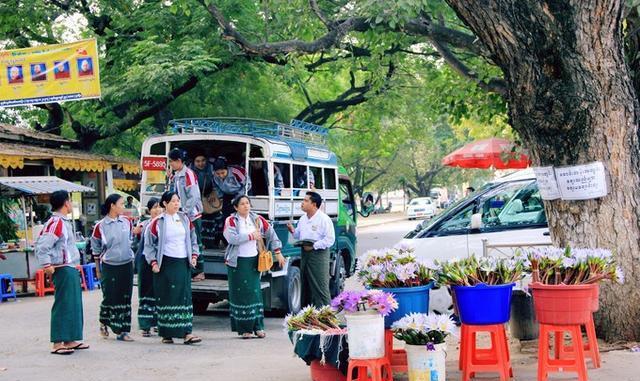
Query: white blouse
{"points": [[250, 248], [175, 237]]}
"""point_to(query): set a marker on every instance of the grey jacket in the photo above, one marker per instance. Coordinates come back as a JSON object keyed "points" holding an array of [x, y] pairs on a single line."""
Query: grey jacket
{"points": [[185, 183], [56, 244], [235, 184], [272, 242], [112, 239], [154, 239]]}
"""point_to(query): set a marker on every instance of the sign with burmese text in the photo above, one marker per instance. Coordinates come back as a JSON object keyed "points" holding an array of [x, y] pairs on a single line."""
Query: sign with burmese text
{"points": [[576, 182]]}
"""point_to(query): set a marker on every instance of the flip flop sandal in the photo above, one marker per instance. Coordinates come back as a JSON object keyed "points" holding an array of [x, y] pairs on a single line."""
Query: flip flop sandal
{"points": [[192, 340], [62, 351], [124, 337], [154, 329], [167, 341], [145, 333], [104, 331], [246, 336], [261, 334], [80, 346]]}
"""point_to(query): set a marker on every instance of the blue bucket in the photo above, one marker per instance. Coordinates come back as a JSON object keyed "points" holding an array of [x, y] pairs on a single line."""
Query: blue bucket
{"points": [[484, 304], [410, 300]]}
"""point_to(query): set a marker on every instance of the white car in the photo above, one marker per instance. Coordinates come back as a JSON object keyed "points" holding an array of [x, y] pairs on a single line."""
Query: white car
{"points": [[422, 207], [505, 211]]}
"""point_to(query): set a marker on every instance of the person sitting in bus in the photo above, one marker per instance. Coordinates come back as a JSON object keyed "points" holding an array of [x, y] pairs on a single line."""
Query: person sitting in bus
{"points": [[260, 179], [300, 181]]}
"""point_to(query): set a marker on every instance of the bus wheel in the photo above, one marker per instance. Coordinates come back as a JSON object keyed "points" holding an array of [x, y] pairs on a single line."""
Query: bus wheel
{"points": [[294, 289], [337, 282]]}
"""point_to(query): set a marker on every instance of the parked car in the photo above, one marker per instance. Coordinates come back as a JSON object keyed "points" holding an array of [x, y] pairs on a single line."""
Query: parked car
{"points": [[507, 210], [421, 207]]}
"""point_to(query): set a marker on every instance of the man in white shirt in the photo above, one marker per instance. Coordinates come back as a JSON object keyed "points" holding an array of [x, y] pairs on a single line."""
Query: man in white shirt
{"points": [[314, 226]]}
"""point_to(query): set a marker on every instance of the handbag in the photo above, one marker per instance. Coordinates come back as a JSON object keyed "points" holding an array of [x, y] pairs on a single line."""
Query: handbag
{"points": [[211, 204], [265, 258]]}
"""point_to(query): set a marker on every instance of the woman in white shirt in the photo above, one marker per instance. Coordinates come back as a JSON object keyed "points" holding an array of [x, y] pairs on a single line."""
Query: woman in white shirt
{"points": [[243, 230], [171, 249]]}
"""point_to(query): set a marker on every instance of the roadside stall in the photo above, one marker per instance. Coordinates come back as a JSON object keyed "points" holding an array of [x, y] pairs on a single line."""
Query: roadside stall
{"points": [[20, 259]]}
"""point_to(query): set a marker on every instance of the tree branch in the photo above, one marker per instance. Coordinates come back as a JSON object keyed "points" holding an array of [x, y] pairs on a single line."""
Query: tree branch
{"points": [[320, 15]]}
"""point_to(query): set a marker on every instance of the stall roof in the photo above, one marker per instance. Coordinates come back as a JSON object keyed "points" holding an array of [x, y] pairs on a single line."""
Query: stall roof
{"points": [[33, 185]]}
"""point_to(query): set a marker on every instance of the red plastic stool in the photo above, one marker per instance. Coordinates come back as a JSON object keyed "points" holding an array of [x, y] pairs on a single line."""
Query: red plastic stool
{"points": [[44, 283], [590, 348], [494, 359], [380, 369], [573, 364], [83, 281], [397, 357]]}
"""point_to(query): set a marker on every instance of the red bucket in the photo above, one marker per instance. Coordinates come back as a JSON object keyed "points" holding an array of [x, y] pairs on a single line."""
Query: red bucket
{"points": [[325, 372], [596, 296], [563, 304]]}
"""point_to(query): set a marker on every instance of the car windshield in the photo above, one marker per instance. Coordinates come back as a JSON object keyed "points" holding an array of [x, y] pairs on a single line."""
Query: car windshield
{"points": [[419, 202]]}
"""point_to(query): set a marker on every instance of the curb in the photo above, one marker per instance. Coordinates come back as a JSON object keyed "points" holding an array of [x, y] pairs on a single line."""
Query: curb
{"points": [[381, 222]]}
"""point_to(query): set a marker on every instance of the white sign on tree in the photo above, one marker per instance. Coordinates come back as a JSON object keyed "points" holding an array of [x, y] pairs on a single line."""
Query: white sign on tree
{"points": [[582, 182], [547, 183]]}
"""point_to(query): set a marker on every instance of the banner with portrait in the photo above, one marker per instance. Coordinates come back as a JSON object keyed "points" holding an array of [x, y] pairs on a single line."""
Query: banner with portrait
{"points": [[49, 73]]}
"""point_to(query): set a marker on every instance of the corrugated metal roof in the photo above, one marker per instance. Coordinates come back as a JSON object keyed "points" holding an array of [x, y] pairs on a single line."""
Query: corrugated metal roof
{"points": [[32, 185], [33, 134], [34, 152]]}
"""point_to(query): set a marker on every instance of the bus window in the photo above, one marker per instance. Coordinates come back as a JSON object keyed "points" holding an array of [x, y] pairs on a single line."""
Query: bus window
{"points": [[259, 175], [316, 174], [158, 149], [282, 178], [300, 177], [329, 178]]}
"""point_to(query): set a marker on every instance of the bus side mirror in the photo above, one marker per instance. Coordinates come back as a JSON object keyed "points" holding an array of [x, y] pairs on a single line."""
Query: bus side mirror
{"points": [[476, 221], [366, 204]]}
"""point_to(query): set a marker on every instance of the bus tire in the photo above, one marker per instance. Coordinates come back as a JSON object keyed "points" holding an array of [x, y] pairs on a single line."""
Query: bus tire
{"points": [[336, 284], [294, 290]]}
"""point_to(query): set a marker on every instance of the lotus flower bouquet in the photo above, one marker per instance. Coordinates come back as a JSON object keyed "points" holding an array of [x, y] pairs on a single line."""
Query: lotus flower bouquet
{"points": [[393, 268], [488, 270], [553, 265], [423, 329], [371, 300], [314, 320]]}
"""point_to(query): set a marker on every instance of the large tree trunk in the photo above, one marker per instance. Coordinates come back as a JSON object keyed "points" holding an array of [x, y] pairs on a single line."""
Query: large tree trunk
{"points": [[572, 102]]}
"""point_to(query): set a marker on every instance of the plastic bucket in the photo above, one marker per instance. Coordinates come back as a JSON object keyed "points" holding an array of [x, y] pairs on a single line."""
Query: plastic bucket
{"points": [[410, 300], [595, 295], [365, 335], [484, 304], [326, 372], [563, 304], [523, 319], [426, 365]]}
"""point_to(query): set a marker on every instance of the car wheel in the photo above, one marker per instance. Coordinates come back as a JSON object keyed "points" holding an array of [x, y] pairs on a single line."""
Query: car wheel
{"points": [[294, 290], [200, 306], [337, 281], [440, 300]]}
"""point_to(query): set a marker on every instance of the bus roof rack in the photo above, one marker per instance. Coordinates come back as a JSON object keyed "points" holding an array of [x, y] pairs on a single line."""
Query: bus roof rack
{"points": [[296, 130]]}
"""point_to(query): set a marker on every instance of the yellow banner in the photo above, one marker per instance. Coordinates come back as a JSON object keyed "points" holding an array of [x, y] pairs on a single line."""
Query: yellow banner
{"points": [[49, 73]]}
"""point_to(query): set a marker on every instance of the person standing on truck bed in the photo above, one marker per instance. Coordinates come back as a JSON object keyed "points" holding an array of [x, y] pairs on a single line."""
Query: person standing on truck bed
{"points": [[58, 255], [230, 181], [111, 245], [244, 230], [185, 183], [314, 226], [171, 248]]}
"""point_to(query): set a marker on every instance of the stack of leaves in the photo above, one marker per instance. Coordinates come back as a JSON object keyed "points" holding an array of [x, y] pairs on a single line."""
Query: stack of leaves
{"points": [[393, 268], [553, 265], [488, 270], [359, 301], [423, 329], [313, 319]]}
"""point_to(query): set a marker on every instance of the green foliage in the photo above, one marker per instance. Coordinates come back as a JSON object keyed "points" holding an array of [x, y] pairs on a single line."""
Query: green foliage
{"points": [[7, 226]]}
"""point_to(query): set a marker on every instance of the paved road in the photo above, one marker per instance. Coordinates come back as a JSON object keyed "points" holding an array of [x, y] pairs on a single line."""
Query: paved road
{"points": [[24, 332], [24, 346]]}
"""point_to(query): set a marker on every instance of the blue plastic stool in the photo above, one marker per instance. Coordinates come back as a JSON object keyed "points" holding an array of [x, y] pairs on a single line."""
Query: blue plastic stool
{"points": [[90, 276], [7, 289]]}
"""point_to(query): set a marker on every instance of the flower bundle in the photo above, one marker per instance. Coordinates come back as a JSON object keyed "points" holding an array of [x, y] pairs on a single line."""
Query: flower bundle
{"points": [[371, 300], [553, 265], [393, 268], [488, 270], [423, 329], [313, 319]]}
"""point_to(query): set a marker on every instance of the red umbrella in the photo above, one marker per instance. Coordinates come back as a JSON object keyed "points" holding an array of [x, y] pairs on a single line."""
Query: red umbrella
{"points": [[494, 152]]}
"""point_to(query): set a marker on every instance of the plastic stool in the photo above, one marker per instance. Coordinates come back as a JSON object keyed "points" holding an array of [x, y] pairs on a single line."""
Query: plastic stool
{"points": [[590, 348], [7, 288], [380, 369], [44, 283], [573, 364], [397, 357], [90, 276], [493, 359], [83, 282]]}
